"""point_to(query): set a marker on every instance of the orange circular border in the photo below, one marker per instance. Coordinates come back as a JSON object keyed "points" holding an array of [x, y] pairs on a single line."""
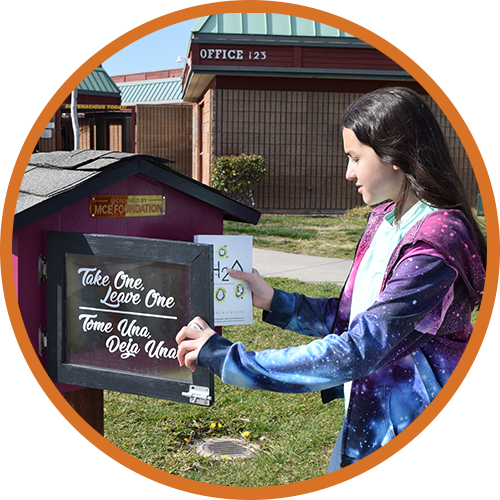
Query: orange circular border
{"points": [[422, 421]]}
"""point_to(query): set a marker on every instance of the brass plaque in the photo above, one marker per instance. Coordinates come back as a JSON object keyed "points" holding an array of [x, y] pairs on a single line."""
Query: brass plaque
{"points": [[127, 206]]}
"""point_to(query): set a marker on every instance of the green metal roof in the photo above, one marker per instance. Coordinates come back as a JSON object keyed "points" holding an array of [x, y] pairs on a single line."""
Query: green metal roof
{"points": [[440, 27], [49, 74], [151, 91]]}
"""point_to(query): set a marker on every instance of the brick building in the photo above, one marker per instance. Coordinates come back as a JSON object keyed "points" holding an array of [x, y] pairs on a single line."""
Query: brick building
{"points": [[277, 86], [266, 84]]}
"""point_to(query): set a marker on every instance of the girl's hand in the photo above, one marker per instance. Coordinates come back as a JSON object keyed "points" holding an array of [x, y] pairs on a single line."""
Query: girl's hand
{"points": [[190, 340], [262, 293]]}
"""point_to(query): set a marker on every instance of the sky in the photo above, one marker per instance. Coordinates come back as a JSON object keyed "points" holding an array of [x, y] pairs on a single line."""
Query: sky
{"points": [[154, 52]]}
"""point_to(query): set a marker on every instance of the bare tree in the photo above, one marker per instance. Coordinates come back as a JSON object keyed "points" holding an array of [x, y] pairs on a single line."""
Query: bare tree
{"points": [[75, 26]]}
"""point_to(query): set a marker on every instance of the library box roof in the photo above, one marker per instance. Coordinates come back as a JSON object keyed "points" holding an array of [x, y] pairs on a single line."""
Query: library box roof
{"points": [[58, 179]]}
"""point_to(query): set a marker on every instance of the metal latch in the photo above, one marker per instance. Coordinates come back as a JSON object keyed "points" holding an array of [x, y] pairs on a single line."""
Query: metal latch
{"points": [[198, 395], [42, 341], [42, 269]]}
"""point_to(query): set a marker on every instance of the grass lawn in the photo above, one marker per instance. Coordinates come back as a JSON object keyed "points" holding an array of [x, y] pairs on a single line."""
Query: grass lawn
{"points": [[295, 432], [320, 236]]}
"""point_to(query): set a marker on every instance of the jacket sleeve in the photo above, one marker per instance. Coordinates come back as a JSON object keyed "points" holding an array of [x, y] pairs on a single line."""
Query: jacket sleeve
{"points": [[420, 287], [301, 314]]}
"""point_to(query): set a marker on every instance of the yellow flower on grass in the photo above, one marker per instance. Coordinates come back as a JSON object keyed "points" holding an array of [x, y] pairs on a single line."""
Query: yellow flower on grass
{"points": [[224, 457], [219, 425], [212, 425], [246, 434]]}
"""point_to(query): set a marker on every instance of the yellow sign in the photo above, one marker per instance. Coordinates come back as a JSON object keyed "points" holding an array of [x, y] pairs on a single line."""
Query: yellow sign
{"points": [[127, 206], [101, 107]]}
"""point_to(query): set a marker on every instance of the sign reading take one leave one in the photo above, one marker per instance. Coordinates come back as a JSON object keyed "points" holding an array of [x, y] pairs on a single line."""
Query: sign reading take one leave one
{"points": [[124, 314]]}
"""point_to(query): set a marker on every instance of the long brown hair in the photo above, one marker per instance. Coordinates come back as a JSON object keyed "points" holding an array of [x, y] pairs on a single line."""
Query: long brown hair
{"points": [[402, 130]]}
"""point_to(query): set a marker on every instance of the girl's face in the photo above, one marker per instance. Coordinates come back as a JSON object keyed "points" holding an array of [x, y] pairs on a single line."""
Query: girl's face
{"points": [[376, 180]]}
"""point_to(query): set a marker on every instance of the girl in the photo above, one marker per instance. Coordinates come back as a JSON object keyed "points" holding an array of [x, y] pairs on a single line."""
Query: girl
{"points": [[403, 320]]}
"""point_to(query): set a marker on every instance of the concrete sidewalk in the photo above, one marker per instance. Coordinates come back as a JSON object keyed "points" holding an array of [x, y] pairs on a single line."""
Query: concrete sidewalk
{"points": [[302, 267]]}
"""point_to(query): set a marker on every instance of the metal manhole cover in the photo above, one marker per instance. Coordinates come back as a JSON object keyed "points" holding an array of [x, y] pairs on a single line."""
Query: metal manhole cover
{"points": [[226, 448]]}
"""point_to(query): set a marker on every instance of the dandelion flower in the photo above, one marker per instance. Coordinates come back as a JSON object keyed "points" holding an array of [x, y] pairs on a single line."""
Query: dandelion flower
{"points": [[224, 457], [246, 434], [212, 425], [219, 425]]}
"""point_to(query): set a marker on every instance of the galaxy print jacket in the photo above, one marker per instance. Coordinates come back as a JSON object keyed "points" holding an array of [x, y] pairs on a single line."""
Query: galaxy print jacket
{"points": [[399, 353]]}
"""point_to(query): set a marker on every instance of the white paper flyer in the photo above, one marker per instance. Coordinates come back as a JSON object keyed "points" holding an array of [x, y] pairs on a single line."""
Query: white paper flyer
{"points": [[232, 298]]}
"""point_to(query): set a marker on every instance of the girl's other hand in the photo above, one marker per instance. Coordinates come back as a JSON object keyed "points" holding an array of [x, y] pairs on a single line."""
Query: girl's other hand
{"points": [[190, 340], [262, 293]]}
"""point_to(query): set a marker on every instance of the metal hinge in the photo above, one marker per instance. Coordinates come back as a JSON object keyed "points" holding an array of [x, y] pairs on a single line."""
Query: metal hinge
{"points": [[198, 395], [42, 341], [42, 269]]}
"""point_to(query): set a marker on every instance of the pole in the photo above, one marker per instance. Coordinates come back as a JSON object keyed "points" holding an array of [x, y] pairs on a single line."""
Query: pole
{"points": [[81, 463]]}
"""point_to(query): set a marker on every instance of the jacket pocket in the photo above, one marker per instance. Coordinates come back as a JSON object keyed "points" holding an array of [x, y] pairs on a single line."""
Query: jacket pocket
{"points": [[368, 424]]}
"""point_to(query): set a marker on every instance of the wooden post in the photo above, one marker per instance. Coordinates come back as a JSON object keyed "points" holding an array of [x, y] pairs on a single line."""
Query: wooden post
{"points": [[81, 463]]}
